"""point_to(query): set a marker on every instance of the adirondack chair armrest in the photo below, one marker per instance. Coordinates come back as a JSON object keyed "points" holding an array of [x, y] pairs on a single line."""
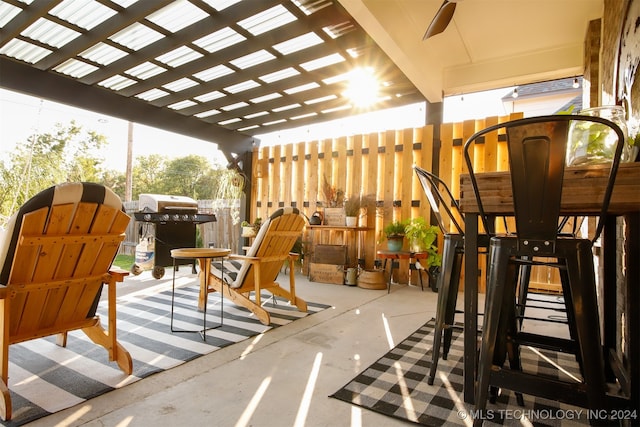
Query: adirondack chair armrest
{"points": [[294, 255], [118, 274], [251, 259]]}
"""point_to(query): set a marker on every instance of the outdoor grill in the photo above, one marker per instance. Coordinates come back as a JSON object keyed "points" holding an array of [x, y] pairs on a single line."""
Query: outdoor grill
{"points": [[175, 219]]}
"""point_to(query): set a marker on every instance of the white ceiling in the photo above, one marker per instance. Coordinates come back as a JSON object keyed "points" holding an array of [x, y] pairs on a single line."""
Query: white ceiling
{"points": [[489, 43]]}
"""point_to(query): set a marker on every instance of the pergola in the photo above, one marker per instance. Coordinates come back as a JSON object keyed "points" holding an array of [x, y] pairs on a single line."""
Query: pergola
{"points": [[224, 70]]}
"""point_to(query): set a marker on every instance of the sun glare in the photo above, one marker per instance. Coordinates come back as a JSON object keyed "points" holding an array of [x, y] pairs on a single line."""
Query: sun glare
{"points": [[362, 88]]}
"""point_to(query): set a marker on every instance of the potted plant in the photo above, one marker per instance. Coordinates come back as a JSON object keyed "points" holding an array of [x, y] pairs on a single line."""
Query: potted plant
{"points": [[352, 210], [423, 238], [333, 197], [250, 230], [247, 229], [333, 204], [395, 232]]}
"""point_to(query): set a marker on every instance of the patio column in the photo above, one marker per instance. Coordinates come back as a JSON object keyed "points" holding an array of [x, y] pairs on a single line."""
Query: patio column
{"points": [[433, 117]]}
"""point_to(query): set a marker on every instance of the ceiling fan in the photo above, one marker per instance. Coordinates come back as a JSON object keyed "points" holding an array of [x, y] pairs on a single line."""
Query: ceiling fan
{"points": [[442, 19]]}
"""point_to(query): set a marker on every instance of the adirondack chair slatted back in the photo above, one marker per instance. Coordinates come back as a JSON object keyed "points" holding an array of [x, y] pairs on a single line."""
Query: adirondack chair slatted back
{"points": [[58, 260], [272, 245]]}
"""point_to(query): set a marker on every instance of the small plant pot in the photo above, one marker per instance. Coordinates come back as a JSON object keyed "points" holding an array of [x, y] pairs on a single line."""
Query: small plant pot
{"points": [[394, 243], [351, 221], [248, 231], [416, 246]]}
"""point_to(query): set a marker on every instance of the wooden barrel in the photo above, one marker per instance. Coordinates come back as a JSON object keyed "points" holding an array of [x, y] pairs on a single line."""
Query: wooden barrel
{"points": [[372, 279]]}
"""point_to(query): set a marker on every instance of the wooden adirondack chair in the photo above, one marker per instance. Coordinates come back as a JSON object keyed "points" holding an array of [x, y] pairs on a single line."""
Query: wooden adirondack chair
{"points": [[259, 268], [55, 256]]}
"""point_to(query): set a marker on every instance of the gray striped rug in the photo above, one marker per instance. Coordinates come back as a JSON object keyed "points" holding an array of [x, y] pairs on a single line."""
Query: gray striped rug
{"points": [[45, 378]]}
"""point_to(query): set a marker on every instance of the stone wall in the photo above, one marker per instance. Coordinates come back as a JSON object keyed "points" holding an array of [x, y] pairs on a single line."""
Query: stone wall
{"points": [[612, 22]]}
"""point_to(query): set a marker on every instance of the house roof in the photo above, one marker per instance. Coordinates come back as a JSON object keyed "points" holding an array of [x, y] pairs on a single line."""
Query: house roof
{"points": [[574, 105], [547, 87]]}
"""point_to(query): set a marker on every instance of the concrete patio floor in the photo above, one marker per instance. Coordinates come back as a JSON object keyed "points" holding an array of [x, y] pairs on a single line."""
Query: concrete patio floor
{"points": [[282, 378]]}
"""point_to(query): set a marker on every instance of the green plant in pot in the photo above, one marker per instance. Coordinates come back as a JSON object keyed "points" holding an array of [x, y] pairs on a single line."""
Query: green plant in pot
{"points": [[423, 238], [250, 230], [395, 232], [247, 229]]}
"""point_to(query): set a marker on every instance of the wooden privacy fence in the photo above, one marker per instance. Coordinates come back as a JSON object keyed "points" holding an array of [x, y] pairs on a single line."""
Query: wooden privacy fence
{"points": [[378, 164]]}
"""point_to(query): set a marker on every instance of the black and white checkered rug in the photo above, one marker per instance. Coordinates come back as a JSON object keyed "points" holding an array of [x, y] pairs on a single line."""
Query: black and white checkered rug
{"points": [[45, 378], [396, 385]]}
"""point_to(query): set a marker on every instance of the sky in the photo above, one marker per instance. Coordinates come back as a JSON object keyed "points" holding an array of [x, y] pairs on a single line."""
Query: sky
{"points": [[21, 116]]}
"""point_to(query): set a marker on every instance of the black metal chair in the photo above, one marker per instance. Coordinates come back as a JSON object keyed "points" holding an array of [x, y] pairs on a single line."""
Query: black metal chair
{"points": [[537, 151], [446, 210]]}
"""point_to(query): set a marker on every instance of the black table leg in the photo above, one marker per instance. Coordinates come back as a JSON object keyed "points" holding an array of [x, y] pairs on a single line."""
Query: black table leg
{"points": [[470, 305]]}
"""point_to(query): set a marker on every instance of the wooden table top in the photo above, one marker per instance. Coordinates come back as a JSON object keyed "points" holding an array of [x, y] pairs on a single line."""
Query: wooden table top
{"points": [[401, 254], [337, 227], [199, 252], [582, 193]]}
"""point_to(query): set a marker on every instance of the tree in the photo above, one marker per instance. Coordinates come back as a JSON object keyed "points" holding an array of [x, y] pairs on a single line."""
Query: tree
{"points": [[190, 176], [147, 174], [65, 154], [181, 176], [116, 181]]}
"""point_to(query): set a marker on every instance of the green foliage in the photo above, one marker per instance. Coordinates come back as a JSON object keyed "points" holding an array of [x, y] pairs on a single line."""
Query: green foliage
{"points": [[395, 228], [115, 180], [68, 154], [65, 154], [418, 229], [599, 140], [147, 175], [568, 111], [182, 176], [190, 176], [256, 224], [422, 234], [124, 262]]}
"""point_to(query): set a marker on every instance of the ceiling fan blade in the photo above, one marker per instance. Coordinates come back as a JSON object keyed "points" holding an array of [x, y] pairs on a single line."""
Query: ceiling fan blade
{"points": [[441, 20]]}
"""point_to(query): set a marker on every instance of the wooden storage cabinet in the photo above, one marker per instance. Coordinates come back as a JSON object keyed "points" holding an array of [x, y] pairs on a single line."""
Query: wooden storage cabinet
{"points": [[333, 246]]}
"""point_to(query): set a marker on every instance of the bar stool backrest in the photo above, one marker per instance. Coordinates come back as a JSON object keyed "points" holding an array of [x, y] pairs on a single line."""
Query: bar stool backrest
{"points": [[441, 200], [537, 156]]}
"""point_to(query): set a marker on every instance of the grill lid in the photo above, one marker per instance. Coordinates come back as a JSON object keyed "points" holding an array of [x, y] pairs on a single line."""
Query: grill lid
{"points": [[166, 202], [164, 208]]}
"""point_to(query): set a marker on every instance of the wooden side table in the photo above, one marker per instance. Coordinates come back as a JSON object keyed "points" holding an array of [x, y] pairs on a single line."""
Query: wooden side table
{"points": [[395, 256], [204, 257]]}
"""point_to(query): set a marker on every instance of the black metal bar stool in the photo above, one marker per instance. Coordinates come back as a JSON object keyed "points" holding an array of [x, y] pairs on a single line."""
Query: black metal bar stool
{"points": [[537, 152], [447, 212]]}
